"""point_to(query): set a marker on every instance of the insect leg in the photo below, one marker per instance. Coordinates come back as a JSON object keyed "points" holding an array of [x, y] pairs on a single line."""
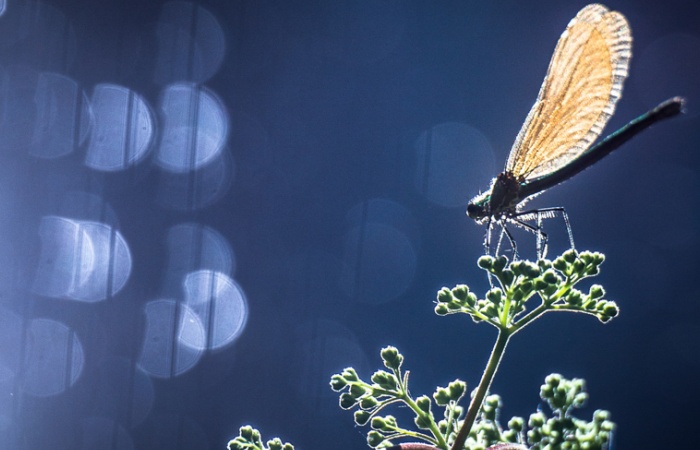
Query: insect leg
{"points": [[504, 230], [500, 239], [541, 236], [551, 212], [537, 230], [487, 237]]}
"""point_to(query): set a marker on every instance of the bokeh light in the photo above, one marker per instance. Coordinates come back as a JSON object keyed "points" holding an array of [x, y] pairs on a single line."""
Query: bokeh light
{"points": [[62, 123], [42, 113], [81, 260], [38, 35], [453, 162], [191, 43], [326, 347], [54, 358], [123, 128], [191, 247], [195, 128], [194, 190], [379, 257], [220, 304], [169, 326]]}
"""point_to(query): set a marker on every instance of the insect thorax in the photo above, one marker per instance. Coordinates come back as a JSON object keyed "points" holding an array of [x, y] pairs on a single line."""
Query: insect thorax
{"points": [[505, 194], [501, 200]]}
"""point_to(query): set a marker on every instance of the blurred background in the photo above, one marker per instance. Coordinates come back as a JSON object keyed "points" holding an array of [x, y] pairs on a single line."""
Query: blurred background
{"points": [[208, 208]]}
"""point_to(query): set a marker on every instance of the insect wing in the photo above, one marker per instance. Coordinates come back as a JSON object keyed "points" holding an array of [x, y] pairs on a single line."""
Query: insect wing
{"points": [[578, 95]]}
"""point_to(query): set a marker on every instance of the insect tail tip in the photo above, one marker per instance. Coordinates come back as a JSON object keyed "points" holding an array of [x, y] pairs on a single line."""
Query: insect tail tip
{"points": [[671, 107]]}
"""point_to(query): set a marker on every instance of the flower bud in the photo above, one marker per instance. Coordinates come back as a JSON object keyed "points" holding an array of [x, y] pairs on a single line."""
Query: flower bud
{"points": [[338, 383], [444, 295], [347, 401], [596, 291], [374, 438], [362, 417], [460, 292], [392, 358], [423, 403], [485, 262]]}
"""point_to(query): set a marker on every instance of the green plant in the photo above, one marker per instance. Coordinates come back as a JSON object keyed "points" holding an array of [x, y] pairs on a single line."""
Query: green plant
{"points": [[509, 307], [249, 439]]}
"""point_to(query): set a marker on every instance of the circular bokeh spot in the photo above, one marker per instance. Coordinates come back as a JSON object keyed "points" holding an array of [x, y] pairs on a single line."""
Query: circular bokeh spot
{"points": [[81, 260], [453, 162], [220, 304], [169, 324], [122, 131], [191, 43], [195, 128], [54, 358], [379, 263]]}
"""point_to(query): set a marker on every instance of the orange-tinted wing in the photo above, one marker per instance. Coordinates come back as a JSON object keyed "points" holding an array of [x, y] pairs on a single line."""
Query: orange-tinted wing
{"points": [[578, 95]]}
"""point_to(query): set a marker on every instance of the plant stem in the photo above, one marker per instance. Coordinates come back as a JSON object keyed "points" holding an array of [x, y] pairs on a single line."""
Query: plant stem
{"points": [[494, 360], [439, 440]]}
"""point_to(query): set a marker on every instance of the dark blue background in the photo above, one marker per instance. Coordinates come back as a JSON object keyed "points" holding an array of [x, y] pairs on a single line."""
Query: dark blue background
{"points": [[342, 222]]}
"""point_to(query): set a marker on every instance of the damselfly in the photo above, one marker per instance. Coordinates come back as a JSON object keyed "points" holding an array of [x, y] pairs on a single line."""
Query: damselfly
{"points": [[578, 96]]}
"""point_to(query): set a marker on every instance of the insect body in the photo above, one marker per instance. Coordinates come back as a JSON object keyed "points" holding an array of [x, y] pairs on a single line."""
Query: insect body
{"points": [[579, 93]]}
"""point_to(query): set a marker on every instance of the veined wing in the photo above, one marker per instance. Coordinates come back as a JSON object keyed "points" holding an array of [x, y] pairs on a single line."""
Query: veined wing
{"points": [[578, 95]]}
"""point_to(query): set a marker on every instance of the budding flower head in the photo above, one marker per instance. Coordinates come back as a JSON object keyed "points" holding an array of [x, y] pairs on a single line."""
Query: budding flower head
{"points": [[357, 390], [338, 383], [570, 255], [596, 291], [495, 295], [392, 358], [461, 292], [347, 401], [362, 417], [457, 389], [368, 402], [374, 438], [485, 262], [384, 380], [423, 403], [444, 295], [499, 263], [350, 375]]}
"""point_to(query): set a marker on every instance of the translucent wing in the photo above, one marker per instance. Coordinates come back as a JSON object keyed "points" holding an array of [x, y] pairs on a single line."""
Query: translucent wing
{"points": [[578, 95]]}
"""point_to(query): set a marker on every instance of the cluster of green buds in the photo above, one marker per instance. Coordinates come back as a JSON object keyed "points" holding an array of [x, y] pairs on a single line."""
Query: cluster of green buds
{"points": [[487, 432], [249, 439], [505, 305], [563, 430], [391, 387]]}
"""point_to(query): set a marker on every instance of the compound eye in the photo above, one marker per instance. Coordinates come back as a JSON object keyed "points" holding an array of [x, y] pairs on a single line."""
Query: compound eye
{"points": [[474, 211]]}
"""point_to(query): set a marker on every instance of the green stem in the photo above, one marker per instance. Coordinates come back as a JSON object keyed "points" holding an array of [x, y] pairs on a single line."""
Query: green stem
{"points": [[439, 440], [494, 360], [402, 432], [545, 306], [532, 315]]}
